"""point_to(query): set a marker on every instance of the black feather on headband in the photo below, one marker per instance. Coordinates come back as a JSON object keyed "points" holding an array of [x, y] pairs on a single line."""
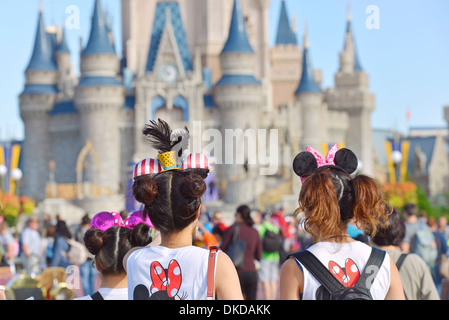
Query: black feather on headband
{"points": [[159, 135]]}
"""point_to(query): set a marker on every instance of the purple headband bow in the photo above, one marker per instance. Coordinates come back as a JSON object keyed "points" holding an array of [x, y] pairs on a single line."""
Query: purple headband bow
{"points": [[105, 220]]}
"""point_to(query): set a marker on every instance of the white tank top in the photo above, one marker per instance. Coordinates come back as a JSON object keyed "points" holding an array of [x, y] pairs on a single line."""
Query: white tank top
{"points": [[168, 274], [346, 261]]}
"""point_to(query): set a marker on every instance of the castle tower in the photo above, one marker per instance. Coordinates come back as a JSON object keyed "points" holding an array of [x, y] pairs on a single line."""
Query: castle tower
{"points": [[206, 25], [285, 58], [171, 88], [99, 97], [351, 95], [65, 68], [238, 95], [36, 101], [309, 105]]}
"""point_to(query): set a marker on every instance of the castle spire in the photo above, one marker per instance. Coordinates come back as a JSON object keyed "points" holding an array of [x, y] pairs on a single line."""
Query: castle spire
{"points": [[237, 57], [238, 38], [350, 36], [99, 42], [285, 34], [63, 47], [167, 18], [307, 83], [42, 57]]}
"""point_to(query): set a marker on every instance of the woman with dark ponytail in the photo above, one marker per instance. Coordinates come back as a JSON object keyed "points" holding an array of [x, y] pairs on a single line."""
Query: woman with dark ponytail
{"points": [[329, 199], [109, 239], [243, 230], [171, 188]]}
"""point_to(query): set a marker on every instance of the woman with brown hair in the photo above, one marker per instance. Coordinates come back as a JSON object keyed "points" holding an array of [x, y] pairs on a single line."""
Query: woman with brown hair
{"points": [[329, 199], [171, 189]]}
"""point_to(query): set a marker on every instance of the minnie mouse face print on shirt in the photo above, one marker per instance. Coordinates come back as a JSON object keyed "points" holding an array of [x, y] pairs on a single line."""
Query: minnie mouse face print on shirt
{"points": [[166, 283]]}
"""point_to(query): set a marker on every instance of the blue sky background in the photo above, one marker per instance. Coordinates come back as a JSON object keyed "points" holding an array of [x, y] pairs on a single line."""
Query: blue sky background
{"points": [[406, 58]]}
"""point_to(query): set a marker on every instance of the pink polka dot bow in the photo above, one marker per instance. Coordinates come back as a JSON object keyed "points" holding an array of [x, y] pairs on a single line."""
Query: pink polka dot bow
{"points": [[105, 220]]}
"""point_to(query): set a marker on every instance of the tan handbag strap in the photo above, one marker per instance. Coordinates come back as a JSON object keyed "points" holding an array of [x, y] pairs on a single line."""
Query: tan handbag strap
{"points": [[211, 272]]}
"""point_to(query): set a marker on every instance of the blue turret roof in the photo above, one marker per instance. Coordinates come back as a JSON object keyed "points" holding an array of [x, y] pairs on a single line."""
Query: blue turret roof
{"points": [[307, 83], [99, 42], [95, 81], [64, 107], [285, 34], [237, 39], [160, 21], [42, 57], [238, 79], [63, 47], [357, 64], [40, 89]]}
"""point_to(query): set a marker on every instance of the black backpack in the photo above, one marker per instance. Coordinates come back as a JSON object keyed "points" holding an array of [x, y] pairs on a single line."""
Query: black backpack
{"points": [[272, 242], [331, 288]]}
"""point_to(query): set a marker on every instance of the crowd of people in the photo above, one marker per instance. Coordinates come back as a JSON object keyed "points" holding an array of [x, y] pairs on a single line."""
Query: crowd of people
{"points": [[345, 241], [45, 244]]}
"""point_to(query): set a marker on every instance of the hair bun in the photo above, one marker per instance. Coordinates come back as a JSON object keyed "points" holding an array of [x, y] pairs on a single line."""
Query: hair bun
{"points": [[94, 240], [193, 186], [145, 190]]}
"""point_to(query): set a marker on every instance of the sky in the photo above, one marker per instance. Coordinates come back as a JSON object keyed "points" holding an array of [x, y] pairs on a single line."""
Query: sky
{"points": [[402, 45]]}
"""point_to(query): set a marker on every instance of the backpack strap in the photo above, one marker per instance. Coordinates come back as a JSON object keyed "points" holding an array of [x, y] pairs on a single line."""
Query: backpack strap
{"points": [[97, 296], [211, 272], [318, 270], [401, 261], [372, 267], [399, 265]]}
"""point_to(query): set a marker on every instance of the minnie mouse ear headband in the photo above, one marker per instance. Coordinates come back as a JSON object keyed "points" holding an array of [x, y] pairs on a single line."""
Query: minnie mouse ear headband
{"points": [[105, 220], [311, 161], [173, 152]]}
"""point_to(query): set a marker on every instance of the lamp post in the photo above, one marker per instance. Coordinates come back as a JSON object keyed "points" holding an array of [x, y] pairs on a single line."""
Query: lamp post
{"points": [[16, 176], [10, 174], [3, 172], [397, 159]]}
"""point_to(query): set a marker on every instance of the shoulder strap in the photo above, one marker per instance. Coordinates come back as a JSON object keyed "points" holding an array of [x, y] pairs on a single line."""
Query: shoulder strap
{"points": [[401, 261], [96, 296], [399, 264], [318, 270], [372, 267], [236, 231], [211, 272]]}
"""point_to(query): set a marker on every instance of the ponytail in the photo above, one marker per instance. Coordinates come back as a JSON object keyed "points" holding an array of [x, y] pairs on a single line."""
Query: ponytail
{"points": [[370, 208], [318, 200]]}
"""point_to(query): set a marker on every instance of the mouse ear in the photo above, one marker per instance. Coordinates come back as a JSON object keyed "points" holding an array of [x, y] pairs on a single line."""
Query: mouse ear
{"points": [[347, 160], [304, 164]]}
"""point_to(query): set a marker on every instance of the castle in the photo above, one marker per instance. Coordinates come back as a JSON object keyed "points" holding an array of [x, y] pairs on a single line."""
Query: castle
{"points": [[207, 62]]}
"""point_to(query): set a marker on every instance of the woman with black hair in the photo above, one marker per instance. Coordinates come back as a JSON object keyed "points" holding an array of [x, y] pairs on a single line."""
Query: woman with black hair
{"points": [[415, 275], [243, 229], [170, 189], [108, 240], [61, 245]]}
